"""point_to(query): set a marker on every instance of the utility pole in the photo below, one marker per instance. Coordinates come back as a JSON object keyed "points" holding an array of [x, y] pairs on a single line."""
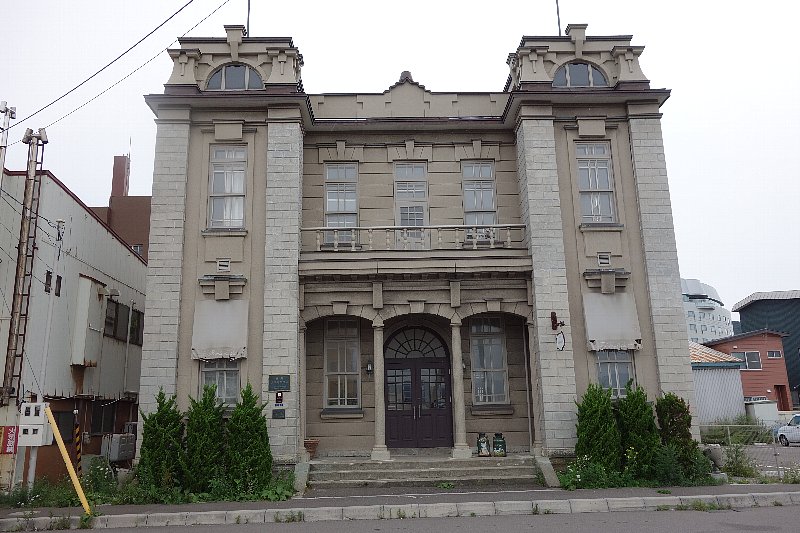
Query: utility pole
{"points": [[8, 114]]}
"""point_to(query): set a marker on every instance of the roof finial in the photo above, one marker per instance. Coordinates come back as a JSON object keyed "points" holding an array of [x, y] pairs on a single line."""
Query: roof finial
{"points": [[405, 76]]}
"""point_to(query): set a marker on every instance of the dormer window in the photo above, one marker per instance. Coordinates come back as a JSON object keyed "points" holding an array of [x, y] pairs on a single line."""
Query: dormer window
{"points": [[579, 75], [235, 78]]}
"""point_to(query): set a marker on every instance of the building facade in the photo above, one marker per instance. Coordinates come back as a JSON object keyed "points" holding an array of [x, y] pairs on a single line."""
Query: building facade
{"points": [[706, 318], [780, 311], [410, 268], [717, 384], [763, 365], [83, 309]]}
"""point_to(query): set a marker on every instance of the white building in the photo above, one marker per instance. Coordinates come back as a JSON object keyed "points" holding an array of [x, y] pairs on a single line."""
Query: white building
{"points": [[706, 318], [81, 349]]}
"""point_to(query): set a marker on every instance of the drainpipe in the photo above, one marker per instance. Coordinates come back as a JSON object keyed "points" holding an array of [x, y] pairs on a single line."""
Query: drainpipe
{"points": [[528, 378], [127, 345]]}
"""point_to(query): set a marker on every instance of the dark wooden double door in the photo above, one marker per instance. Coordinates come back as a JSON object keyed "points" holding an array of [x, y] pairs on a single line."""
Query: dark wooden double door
{"points": [[418, 403]]}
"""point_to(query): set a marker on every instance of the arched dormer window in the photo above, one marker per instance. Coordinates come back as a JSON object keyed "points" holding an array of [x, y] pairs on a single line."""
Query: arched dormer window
{"points": [[579, 75], [234, 77]]}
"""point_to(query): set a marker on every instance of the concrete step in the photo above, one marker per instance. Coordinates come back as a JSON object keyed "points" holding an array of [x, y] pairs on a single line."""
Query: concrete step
{"points": [[410, 463], [430, 473], [528, 481]]}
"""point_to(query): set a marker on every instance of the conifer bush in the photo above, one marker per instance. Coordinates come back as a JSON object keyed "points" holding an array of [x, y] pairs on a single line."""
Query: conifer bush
{"points": [[202, 460], [162, 436], [638, 432], [248, 454], [598, 436], [675, 426]]}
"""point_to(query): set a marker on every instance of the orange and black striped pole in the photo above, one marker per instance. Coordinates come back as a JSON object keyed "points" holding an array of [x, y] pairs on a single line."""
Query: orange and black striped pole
{"points": [[78, 440]]}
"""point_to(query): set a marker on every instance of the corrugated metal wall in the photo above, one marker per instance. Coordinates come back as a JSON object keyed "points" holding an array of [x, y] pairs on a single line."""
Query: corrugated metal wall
{"points": [[718, 393]]}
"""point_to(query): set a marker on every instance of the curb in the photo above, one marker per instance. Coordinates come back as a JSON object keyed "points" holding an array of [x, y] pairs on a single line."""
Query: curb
{"points": [[416, 510]]}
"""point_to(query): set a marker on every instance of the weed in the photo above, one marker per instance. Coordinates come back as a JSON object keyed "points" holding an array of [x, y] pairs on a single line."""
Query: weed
{"points": [[291, 516], [472, 514], [59, 522], [664, 491], [738, 463], [401, 514], [536, 509], [681, 507], [445, 485], [776, 503], [663, 507], [548, 511], [238, 519]]}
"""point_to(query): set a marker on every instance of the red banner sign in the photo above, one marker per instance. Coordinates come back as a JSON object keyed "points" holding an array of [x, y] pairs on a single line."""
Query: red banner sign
{"points": [[10, 434]]}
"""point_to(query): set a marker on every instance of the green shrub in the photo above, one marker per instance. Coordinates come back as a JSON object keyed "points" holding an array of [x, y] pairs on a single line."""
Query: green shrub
{"points": [[202, 460], [738, 463], [598, 436], [162, 436], [584, 473], [100, 479], [248, 453], [638, 432], [675, 426]]}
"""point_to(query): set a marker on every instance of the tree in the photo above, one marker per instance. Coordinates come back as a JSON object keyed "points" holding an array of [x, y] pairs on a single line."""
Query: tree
{"points": [[248, 457], [598, 436], [675, 423], [638, 432], [162, 432], [203, 458]]}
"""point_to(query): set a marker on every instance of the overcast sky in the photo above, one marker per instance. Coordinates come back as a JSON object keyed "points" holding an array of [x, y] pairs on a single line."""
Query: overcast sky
{"points": [[730, 127]]}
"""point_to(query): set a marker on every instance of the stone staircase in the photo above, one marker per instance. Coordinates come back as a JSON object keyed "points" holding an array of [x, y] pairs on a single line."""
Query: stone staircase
{"points": [[425, 471]]}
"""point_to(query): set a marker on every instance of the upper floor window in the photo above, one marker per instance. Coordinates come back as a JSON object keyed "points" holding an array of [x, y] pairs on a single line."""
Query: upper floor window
{"points": [[235, 78], [341, 199], [774, 354], [479, 196], [411, 203], [750, 360], [489, 365], [595, 182], [226, 191], [116, 325], [579, 75]]}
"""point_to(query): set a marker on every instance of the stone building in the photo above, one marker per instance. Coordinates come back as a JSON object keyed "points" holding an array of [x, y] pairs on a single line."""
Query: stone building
{"points": [[412, 267]]}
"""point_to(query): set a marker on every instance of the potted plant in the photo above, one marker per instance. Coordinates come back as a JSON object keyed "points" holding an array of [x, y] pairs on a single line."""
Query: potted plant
{"points": [[310, 444]]}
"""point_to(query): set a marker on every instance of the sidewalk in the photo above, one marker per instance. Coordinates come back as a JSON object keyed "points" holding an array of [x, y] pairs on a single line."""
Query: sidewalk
{"points": [[364, 504]]}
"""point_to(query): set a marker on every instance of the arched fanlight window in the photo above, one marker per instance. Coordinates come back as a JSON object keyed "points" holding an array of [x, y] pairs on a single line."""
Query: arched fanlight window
{"points": [[579, 75], [234, 77], [414, 343]]}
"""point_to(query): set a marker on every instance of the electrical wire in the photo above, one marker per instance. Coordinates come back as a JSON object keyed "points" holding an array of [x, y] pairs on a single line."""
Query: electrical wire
{"points": [[131, 73], [137, 43]]}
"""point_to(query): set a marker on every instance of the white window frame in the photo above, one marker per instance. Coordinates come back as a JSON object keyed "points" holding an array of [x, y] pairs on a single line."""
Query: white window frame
{"points": [[609, 363], [568, 77], [598, 156], [216, 372], [234, 161], [481, 329], [411, 192], [481, 184], [748, 359], [334, 338], [774, 354], [339, 180], [248, 73]]}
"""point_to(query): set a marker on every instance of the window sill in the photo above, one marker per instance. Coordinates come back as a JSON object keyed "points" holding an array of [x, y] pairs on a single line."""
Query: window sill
{"points": [[601, 226], [491, 410], [336, 414], [224, 232]]}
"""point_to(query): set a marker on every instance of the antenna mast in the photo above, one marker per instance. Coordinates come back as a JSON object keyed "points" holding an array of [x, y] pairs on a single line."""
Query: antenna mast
{"points": [[558, 16]]}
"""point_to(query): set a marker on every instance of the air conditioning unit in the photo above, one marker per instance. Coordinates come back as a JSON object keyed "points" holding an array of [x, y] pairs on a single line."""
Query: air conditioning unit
{"points": [[118, 447]]}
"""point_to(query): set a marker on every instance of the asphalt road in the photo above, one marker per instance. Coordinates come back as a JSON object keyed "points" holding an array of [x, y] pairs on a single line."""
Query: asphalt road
{"points": [[773, 519]]}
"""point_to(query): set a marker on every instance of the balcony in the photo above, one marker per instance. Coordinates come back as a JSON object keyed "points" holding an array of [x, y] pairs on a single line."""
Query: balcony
{"points": [[441, 250]]}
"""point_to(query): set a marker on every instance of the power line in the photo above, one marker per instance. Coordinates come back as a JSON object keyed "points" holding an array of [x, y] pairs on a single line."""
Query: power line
{"points": [[137, 43], [49, 235], [131, 73]]}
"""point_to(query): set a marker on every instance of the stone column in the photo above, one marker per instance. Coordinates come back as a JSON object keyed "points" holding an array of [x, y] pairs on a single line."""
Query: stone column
{"points": [[536, 398], [301, 395], [461, 449], [379, 450], [282, 252], [660, 255], [540, 206], [164, 276]]}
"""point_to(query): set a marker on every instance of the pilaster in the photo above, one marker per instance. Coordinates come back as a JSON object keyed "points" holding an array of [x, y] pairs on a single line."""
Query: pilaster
{"points": [[540, 208], [281, 284]]}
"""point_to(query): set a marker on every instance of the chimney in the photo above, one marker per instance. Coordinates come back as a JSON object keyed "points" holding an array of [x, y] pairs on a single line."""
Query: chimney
{"points": [[122, 171]]}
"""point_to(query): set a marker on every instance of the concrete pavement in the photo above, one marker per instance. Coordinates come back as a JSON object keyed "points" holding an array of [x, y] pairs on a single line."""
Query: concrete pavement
{"points": [[315, 508]]}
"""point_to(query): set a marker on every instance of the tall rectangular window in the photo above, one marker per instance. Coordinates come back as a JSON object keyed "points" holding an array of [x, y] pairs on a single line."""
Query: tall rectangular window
{"points": [[226, 188], [480, 208], [116, 320], [614, 370], [341, 199], [595, 183], [489, 364], [411, 201], [224, 373], [342, 363]]}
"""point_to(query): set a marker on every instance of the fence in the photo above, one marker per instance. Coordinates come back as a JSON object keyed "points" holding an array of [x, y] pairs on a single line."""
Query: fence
{"points": [[760, 443]]}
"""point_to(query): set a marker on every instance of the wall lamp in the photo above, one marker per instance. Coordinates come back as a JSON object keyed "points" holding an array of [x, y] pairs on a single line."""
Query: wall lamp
{"points": [[369, 367]]}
